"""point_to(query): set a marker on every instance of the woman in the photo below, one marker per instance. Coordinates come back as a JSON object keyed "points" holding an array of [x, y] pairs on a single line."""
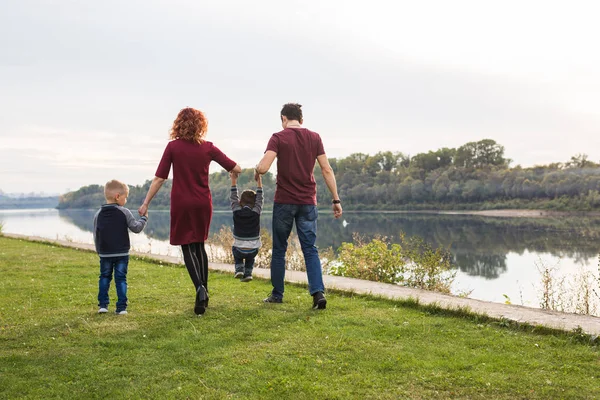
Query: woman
{"points": [[191, 201]]}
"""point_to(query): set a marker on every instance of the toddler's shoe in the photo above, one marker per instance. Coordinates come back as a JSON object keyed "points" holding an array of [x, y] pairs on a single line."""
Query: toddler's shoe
{"points": [[246, 278], [238, 275], [273, 299], [121, 312], [102, 310]]}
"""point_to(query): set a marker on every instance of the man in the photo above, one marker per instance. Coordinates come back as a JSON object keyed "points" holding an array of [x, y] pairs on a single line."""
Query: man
{"points": [[296, 149]]}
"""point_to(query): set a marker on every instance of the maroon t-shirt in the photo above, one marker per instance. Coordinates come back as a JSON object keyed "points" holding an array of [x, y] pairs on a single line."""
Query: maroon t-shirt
{"points": [[297, 150]]}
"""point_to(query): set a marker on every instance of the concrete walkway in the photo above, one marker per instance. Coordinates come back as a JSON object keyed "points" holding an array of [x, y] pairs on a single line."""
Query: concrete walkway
{"points": [[521, 314]]}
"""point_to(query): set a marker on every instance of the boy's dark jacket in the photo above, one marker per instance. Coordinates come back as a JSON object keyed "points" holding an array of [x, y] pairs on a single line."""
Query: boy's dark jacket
{"points": [[111, 224]]}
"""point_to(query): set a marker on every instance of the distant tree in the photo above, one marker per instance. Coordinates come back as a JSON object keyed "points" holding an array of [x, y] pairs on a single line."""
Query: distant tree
{"points": [[473, 190], [441, 187], [417, 190], [354, 162], [372, 164], [445, 157], [389, 161], [426, 161], [580, 161], [403, 160], [486, 152]]}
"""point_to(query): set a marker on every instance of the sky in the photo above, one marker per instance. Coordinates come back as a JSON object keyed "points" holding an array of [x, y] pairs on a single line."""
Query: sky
{"points": [[89, 90]]}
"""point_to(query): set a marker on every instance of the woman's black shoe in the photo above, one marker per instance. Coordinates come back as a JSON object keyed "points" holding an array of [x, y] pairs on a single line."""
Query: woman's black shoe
{"points": [[201, 300]]}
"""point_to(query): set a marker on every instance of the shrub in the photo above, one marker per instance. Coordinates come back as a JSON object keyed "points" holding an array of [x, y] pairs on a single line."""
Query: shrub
{"points": [[220, 243], [412, 263], [430, 268], [374, 261], [219, 246], [263, 258]]}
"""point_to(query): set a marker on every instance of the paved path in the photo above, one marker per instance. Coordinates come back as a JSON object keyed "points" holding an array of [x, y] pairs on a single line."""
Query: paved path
{"points": [[532, 316]]}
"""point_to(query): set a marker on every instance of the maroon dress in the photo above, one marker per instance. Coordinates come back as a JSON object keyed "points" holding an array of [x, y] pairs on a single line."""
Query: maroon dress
{"points": [[191, 202]]}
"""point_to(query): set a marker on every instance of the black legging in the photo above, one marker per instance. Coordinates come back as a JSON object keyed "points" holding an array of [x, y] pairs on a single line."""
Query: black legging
{"points": [[196, 262]]}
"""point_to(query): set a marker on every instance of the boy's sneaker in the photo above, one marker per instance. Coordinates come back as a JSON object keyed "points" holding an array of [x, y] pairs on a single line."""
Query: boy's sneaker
{"points": [[319, 301], [201, 300], [102, 310], [122, 312], [238, 275], [247, 278], [273, 299]]}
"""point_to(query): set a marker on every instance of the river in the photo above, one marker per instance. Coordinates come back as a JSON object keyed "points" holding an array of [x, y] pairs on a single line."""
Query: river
{"points": [[496, 258]]}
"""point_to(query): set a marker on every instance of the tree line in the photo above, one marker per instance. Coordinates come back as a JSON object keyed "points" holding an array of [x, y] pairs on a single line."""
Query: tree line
{"points": [[8, 202], [476, 175]]}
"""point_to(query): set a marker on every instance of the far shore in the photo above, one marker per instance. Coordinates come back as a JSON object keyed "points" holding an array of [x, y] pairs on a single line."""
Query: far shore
{"points": [[507, 213], [516, 213]]}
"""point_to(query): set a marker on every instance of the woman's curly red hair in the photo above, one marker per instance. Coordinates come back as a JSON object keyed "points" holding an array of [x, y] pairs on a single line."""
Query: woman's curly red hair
{"points": [[190, 125]]}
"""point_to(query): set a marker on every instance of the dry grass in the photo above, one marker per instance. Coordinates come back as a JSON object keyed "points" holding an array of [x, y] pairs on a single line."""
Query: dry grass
{"points": [[219, 250], [576, 293]]}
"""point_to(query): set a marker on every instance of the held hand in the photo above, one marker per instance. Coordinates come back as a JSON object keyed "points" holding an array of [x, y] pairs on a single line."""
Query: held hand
{"points": [[233, 175], [259, 181], [143, 210], [256, 175], [337, 210]]}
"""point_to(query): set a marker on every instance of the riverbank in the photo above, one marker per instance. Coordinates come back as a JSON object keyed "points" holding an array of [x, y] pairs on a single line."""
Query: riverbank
{"points": [[56, 345], [516, 213], [517, 314], [506, 213]]}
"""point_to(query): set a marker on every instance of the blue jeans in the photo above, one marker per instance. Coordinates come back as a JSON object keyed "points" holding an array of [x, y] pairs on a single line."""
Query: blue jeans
{"points": [[305, 217], [107, 266], [244, 260]]}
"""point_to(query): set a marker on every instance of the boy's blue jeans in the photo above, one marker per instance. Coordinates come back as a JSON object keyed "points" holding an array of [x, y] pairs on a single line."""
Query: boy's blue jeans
{"points": [[244, 260], [108, 265], [305, 216]]}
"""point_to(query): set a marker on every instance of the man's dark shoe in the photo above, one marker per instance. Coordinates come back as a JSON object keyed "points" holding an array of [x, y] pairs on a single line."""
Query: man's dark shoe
{"points": [[319, 301], [273, 299], [201, 300]]}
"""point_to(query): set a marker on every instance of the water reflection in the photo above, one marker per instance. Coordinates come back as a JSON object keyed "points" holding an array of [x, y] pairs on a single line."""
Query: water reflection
{"points": [[480, 245]]}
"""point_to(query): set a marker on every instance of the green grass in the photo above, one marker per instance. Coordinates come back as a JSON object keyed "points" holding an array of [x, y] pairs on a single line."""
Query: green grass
{"points": [[53, 344]]}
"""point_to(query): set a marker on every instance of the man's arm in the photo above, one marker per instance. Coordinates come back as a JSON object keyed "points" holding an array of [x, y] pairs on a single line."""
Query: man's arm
{"points": [[264, 165], [329, 177]]}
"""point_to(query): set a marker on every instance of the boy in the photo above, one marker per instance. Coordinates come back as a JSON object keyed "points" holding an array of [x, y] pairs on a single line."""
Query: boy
{"points": [[112, 243], [246, 227]]}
